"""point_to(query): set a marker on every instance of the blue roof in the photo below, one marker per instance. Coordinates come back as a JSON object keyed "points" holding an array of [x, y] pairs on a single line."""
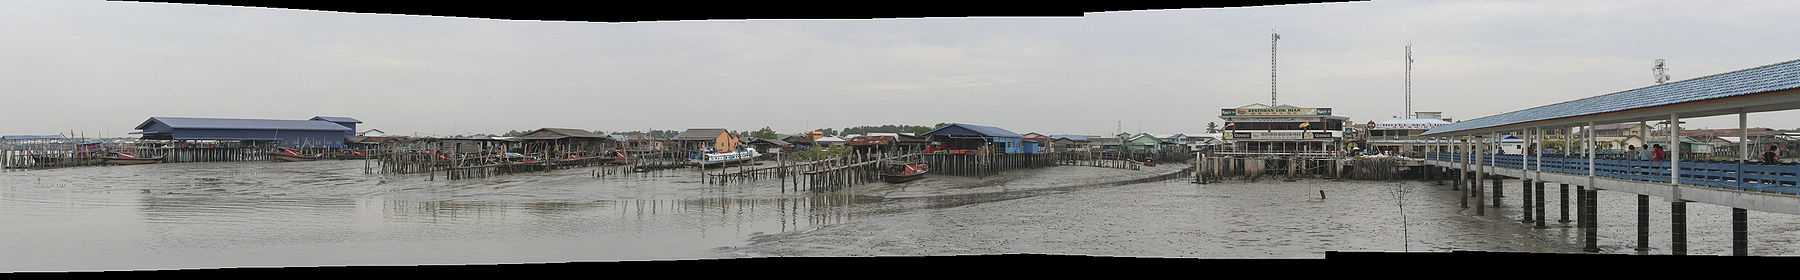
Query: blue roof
{"points": [[1762, 79], [216, 123], [1070, 137], [988, 131], [337, 119]]}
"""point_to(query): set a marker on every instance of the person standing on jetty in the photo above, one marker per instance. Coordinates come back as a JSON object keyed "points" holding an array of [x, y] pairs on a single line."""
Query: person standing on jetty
{"points": [[1770, 156], [1658, 154]]}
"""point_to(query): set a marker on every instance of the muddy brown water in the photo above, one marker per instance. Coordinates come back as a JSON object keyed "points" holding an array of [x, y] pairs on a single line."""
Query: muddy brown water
{"points": [[202, 215]]}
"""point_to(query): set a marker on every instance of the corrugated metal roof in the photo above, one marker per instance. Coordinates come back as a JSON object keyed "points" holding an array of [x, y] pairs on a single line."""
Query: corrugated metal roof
{"points": [[1411, 121], [777, 142], [560, 133], [1767, 78], [798, 139], [984, 130], [218, 123], [337, 119], [1070, 137], [700, 134]]}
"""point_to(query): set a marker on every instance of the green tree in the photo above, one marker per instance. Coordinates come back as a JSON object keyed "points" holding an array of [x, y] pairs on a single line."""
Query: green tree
{"points": [[919, 130], [765, 133]]}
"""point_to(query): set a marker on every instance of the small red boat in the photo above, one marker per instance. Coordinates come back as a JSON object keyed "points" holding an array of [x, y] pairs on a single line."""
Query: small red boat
{"points": [[353, 154], [291, 155], [126, 158], [901, 173]]}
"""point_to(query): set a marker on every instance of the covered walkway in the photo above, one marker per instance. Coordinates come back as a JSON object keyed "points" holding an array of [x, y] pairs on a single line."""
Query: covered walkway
{"points": [[1469, 148]]}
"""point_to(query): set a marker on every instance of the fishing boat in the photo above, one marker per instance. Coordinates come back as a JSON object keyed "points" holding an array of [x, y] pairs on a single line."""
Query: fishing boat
{"points": [[904, 172], [352, 154], [710, 157], [127, 158], [65, 159], [292, 155], [619, 158]]}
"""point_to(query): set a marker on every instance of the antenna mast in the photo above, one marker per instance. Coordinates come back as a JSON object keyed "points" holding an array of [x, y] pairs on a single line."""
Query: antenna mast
{"points": [[1661, 72], [1272, 40], [1409, 61]]}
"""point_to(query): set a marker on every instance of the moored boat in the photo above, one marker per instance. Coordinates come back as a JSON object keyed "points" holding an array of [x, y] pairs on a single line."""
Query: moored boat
{"points": [[907, 172], [740, 155], [125, 158], [291, 155], [352, 154]]}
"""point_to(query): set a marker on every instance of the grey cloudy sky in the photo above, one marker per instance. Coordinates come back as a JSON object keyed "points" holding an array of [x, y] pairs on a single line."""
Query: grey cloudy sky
{"points": [[100, 66]]}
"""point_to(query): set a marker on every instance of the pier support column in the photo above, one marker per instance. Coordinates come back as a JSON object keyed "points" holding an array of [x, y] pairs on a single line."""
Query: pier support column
{"points": [[1740, 232], [1678, 227], [1592, 232], [1525, 201], [1462, 180], [1462, 174], [1643, 226], [1497, 188], [1540, 205], [1564, 217], [1436, 175], [1481, 169]]}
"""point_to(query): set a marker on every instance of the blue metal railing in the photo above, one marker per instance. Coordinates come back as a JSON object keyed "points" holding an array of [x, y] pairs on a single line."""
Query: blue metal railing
{"points": [[1783, 179]]}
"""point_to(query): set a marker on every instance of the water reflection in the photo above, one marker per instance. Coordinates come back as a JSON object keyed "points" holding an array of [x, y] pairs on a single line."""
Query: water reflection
{"points": [[226, 214]]}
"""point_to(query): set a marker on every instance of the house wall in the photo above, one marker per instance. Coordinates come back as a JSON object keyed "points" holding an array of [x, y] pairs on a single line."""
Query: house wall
{"points": [[724, 142]]}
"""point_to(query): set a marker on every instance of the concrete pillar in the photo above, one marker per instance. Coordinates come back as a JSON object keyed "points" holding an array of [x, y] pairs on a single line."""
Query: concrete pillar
{"points": [[1564, 217], [1432, 172], [1581, 217], [1497, 187], [1480, 174], [1592, 231], [1643, 226], [1462, 174], [1525, 201], [1743, 146], [1540, 205], [1675, 151], [1495, 167], [1678, 227], [1740, 232], [1462, 178]]}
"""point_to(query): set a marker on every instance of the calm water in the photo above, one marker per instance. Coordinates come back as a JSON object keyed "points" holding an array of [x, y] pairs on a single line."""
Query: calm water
{"points": [[197, 215]]}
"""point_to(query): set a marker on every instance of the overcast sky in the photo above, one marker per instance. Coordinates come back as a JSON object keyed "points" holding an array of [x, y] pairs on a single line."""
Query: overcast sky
{"points": [[98, 66]]}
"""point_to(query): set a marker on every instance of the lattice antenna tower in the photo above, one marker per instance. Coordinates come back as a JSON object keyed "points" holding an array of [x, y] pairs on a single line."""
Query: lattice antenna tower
{"points": [[1661, 71]]}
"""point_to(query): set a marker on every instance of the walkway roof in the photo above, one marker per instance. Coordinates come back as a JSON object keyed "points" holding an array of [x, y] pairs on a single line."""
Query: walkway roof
{"points": [[1764, 88]]}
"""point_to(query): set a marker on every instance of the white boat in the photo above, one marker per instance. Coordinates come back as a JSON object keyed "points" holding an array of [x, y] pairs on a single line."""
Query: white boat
{"points": [[742, 154]]}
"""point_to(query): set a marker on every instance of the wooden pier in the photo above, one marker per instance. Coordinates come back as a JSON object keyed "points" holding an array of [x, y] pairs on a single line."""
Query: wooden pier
{"points": [[25, 155]]}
